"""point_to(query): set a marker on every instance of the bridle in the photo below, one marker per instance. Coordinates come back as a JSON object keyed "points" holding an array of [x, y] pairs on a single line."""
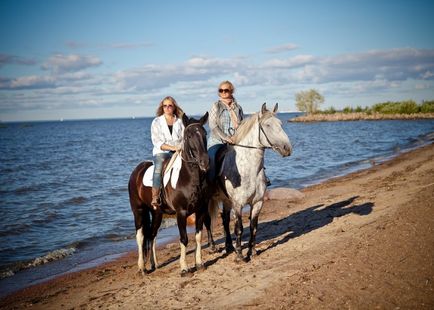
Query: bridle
{"points": [[180, 152], [262, 147]]}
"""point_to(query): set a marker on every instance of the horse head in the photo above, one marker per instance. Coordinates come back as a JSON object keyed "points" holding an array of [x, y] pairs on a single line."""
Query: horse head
{"points": [[271, 132], [194, 144]]}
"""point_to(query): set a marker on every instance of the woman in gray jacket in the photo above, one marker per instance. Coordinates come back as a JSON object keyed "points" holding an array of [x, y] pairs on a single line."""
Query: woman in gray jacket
{"points": [[224, 118]]}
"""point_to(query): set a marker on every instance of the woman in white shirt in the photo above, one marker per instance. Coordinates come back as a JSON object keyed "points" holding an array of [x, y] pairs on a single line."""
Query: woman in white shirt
{"points": [[166, 133]]}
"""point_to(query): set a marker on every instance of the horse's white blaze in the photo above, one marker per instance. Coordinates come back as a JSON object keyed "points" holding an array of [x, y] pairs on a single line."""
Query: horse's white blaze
{"points": [[154, 252], [182, 260], [140, 238], [198, 237]]}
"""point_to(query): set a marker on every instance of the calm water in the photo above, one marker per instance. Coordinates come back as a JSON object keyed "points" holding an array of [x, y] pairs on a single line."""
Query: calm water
{"points": [[63, 185]]}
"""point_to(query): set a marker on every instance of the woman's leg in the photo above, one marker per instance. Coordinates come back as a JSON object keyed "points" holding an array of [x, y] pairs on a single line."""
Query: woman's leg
{"points": [[212, 152], [156, 179]]}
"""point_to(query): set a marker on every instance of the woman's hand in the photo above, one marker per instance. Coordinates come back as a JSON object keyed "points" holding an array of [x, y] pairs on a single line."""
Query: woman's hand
{"points": [[229, 140]]}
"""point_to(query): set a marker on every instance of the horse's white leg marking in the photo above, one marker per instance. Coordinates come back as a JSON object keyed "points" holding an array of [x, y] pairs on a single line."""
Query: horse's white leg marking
{"points": [[182, 261], [198, 237], [154, 252], [140, 238]]}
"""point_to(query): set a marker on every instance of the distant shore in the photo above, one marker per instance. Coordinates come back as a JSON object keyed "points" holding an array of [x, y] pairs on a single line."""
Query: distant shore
{"points": [[358, 116]]}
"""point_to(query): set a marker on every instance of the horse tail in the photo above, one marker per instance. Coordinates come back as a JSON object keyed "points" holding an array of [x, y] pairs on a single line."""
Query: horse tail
{"points": [[213, 210]]}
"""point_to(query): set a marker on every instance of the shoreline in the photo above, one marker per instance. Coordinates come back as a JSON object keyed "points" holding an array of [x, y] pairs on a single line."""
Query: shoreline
{"points": [[359, 116], [363, 206]]}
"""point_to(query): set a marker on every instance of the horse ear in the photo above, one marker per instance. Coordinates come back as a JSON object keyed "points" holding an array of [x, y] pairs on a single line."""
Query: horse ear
{"points": [[204, 119], [185, 119], [275, 108], [264, 108]]}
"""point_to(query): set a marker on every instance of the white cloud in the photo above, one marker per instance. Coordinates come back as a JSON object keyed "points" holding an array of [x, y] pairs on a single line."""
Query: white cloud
{"points": [[6, 59], [376, 74], [60, 63], [28, 82]]}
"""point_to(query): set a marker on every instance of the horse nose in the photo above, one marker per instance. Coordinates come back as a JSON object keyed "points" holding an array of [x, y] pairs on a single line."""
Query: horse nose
{"points": [[204, 164], [288, 149]]}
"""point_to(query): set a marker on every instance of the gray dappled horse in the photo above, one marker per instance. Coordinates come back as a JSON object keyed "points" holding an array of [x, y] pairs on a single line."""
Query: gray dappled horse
{"points": [[241, 179], [187, 198]]}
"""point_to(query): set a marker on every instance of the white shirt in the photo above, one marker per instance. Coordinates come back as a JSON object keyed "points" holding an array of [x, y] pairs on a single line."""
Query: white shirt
{"points": [[160, 133]]}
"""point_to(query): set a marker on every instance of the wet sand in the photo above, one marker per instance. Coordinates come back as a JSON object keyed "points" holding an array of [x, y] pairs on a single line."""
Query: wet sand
{"points": [[365, 240]]}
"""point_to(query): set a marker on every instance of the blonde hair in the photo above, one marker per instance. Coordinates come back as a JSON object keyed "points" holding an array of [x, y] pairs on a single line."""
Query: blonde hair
{"points": [[231, 86], [176, 111]]}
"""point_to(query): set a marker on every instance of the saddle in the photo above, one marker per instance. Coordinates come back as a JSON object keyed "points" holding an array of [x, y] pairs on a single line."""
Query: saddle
{"points": [[168, 166]]}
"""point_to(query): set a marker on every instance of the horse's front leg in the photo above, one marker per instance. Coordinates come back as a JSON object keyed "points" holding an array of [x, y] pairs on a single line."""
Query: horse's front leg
{"points": [[198, 236], [254, 216], [157, 217], [181, 218], [238, 232]]}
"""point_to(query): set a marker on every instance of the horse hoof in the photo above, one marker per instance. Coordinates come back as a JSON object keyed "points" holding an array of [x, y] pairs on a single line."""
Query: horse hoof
{"points": [[213, 249], [239, 258], [185, 273], [141, 272], [200, 267], [229, 249], [252, 254]]}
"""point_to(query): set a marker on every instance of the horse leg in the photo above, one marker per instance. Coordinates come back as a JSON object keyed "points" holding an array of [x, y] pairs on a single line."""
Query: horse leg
{"points": [[254, 216], [141, 220], [140, 238], [157, 217], [211, 243], [226, 217], [198, 236], [181, 218], [238, 233]]}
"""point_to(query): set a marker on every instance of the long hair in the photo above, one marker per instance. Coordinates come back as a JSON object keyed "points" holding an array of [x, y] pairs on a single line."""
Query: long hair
{"points": [[177, 110]]}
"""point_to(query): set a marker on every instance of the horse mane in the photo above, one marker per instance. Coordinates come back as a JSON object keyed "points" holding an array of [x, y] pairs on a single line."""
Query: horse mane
{"points": [[247, 124]]}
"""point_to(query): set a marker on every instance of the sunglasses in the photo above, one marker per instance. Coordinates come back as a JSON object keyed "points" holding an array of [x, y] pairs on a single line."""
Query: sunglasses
{"points": [[224, 90], [167, 106]]}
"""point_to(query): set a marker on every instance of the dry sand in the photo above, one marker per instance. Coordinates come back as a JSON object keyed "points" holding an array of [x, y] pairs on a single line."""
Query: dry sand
{"points": [[363, 241]]}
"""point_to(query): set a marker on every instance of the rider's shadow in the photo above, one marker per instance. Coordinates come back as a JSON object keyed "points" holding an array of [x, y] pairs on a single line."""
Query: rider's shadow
{"points": [[305, 221]]}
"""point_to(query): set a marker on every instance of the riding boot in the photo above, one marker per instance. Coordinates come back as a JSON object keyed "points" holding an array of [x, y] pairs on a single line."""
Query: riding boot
{"points": [[156, 201]]}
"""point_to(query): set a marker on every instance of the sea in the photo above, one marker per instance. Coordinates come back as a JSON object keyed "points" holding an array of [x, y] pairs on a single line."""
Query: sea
{"points": [[64, 184]]}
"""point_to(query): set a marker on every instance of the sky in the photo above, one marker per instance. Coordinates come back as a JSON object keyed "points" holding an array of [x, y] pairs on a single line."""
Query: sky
{"points": [[107, 59]]}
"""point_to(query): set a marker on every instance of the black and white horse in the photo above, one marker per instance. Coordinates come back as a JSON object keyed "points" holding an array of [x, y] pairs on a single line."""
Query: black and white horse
{"points": [[186, 198]]}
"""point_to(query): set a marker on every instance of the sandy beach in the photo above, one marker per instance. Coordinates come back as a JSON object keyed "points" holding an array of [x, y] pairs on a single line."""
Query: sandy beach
{"points": [[361, 241]]}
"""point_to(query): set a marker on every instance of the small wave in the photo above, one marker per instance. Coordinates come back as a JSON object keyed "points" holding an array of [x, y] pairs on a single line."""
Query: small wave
{"points": [[76, 200], [52, 256], [27, 189]]}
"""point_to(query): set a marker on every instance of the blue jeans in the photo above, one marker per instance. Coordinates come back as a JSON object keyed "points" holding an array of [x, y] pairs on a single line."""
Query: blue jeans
{"points": [[212, 151], [158, 167]]}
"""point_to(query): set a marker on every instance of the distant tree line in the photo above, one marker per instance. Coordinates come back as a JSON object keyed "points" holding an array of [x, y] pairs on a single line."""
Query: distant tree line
{"points": [[309, 102], [389, 107]]}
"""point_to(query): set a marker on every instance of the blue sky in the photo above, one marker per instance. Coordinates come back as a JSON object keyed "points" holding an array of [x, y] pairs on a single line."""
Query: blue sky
{"points": [[103, 59]]}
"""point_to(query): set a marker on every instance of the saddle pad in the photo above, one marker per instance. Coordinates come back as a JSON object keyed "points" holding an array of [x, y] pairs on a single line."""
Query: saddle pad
{"points": [[172, 173], [148, 175]]}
